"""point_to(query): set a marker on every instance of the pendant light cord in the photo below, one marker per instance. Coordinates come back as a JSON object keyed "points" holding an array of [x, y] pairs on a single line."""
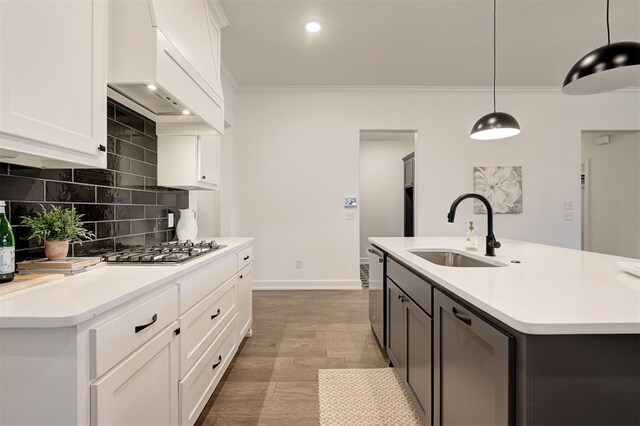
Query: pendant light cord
{"points": [[608, 29], [494, 55]]}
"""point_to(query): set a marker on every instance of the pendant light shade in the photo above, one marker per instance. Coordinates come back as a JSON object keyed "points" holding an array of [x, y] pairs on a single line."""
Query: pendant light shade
{"points": [[610, 67], [496, 125]]}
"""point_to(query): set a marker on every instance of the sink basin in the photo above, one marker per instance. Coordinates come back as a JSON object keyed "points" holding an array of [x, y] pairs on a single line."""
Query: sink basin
{"points": [[454, 259]]}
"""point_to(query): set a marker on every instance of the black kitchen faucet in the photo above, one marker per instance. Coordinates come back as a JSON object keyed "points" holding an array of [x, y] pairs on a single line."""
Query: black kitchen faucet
{"points": [[492, 244]]}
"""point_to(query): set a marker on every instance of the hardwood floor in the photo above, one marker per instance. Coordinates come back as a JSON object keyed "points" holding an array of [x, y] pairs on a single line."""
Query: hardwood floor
{"points": [[273, 379]]}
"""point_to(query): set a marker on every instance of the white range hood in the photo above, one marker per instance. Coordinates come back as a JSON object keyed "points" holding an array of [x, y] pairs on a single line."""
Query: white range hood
{"points": [[164, 62]]}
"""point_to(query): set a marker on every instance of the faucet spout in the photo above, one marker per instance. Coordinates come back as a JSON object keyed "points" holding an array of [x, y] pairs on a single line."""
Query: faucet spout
{"points": [[492, 244]]}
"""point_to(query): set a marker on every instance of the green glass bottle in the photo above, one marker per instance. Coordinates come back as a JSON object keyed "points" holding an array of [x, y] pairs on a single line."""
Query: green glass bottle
{"points": [[7, 248]]}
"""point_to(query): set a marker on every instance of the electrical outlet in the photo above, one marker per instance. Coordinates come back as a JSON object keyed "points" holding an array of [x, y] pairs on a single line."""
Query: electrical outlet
{"points": [[568, 216], [298, 264], [170, 220], [568, 205]]}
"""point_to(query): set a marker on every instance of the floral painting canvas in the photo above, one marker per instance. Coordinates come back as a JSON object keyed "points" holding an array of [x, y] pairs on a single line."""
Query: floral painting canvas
{"points": [[501, 185]]}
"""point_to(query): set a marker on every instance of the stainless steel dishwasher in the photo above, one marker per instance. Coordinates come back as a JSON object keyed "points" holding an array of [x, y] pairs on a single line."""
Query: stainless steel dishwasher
{"points": [[377, 294]]}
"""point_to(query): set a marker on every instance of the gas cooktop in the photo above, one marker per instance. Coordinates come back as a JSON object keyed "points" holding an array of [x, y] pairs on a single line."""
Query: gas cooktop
{"points": [[170, 253]]}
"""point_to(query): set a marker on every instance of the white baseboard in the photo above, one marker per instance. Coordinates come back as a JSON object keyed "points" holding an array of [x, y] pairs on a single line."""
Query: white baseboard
{"points": [[307, 285], [364, 260]]}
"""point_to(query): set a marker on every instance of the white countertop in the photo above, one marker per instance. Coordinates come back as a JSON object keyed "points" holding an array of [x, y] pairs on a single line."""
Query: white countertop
{"points": [[553, 291], [75, 299]]}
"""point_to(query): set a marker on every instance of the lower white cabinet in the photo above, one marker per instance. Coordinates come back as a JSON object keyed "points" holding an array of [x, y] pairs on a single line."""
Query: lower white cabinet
{"points": [[198, 385], [155, 359], [245, 301], [141, 390]]}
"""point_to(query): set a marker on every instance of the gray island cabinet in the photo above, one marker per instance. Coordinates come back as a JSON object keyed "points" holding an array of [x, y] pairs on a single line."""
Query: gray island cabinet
{"points": [[461, 366]]}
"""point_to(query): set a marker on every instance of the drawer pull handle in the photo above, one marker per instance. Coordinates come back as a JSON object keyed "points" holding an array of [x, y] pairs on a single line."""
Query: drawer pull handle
{"points": [[246, 257], [460, 316], [217, 363], [402, 299], [241, 276], [216, 314], [139, 328]]}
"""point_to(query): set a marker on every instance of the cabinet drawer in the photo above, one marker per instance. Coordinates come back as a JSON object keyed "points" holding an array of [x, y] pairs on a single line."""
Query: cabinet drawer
{"points": [[414, 286], [114, 340], [244, 257], [203, 323], [196, 286], [197, 386]]}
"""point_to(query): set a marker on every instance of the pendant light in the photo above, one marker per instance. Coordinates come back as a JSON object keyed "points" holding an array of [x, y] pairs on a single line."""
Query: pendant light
{"points": [[495, 125], [610, 67]]}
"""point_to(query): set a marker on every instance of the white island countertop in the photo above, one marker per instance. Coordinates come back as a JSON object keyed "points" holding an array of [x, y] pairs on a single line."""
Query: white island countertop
{"points": [[75, 299], [552, 291]]}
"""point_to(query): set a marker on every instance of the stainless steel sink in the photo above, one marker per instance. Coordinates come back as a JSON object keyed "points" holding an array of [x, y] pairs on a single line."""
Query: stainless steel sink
{"points": [[455, 259]]}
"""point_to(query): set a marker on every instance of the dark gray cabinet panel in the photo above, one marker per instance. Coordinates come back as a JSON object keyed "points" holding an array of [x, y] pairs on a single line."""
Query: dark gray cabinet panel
{"points": [[415, 287], [418, 364], [409, 169], [396, 337], [473, 368]]}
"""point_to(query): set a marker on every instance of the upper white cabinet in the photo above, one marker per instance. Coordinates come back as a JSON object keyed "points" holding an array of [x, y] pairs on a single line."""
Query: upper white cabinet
{"points": [[164, 56], [189, 162], [53, 82]]}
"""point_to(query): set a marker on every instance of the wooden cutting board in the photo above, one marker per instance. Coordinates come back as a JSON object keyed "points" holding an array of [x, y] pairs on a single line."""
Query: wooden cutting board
{"points": [[24, 281]]}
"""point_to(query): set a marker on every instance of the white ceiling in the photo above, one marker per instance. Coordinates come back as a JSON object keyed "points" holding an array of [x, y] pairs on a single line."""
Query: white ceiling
{"points": [[416, 43]]}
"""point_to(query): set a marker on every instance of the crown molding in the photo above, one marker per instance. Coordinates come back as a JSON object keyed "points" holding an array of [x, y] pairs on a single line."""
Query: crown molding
{"points": [[410, 89], [218, 14]]}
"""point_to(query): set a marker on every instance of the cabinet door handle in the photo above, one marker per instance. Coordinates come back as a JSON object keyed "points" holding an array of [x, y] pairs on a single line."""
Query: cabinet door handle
{"points": [[217, 363], [402, 298], [216, 314], [102, 148], [460, 316], [246, 258], [139, 328], [204, 177], [241, 276]]}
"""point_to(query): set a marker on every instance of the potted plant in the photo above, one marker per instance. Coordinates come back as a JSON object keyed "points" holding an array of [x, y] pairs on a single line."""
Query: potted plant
{"points": [[57, 228]]}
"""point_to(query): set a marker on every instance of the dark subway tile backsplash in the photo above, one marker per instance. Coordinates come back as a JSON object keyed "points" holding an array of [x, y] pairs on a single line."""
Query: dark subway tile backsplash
{"points": [[122, 204]]}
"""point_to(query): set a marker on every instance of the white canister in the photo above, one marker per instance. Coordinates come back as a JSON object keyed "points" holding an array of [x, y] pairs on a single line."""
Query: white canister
{"points": [[187, 228]]}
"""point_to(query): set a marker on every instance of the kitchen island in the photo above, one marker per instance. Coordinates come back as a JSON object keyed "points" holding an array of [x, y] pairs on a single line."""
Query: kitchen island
{"points": [[125, 344], [542, 335]]}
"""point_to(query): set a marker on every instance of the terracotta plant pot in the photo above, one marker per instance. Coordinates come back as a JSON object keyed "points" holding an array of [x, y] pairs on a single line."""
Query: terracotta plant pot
{"points": [[55, 250]]}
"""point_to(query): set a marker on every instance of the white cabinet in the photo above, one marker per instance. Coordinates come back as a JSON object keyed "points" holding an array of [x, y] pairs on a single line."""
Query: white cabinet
{"points": [[53, 82], [142, 390], [189, 162], [245, 302]]}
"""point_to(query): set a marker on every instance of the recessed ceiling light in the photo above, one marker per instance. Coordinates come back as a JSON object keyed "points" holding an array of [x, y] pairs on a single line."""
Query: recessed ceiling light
{"points": [[313, 27], [186, 112], [151, 87]]}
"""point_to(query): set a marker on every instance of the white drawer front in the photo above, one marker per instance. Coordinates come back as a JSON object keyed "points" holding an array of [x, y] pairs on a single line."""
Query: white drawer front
{"points": [[244, 257], [198, 385], [114, 340], [196, 286], [203, 323]]}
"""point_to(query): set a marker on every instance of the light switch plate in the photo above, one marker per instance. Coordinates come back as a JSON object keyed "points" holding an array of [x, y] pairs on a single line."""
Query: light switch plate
{"points": [[351, 215], [568, 216], [568, 205]]}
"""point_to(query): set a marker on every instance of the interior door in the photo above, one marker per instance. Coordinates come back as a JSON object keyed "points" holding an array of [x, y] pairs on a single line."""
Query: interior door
{"points": [[53, 72]]}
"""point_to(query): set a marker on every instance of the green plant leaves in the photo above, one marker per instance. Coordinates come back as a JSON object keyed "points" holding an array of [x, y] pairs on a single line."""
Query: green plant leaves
{"points": [[57, 224]]}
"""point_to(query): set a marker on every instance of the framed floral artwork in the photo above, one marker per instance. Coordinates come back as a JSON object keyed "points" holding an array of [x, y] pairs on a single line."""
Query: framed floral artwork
{"points": [[501, 185]]}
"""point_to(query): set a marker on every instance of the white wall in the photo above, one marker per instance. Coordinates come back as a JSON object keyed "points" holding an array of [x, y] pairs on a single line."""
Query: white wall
{"points": [[297, 150], [614, 194], [381, 197], [217, 209]]}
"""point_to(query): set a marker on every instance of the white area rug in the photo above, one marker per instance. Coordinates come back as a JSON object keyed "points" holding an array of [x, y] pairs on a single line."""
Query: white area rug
{"points": [[364, 397]]}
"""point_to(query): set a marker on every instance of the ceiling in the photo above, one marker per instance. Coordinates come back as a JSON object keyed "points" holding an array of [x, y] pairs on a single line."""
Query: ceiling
{"points": [[416, 43]]}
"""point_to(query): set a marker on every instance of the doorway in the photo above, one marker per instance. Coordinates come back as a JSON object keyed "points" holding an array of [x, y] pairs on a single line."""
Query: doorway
{"points": [[611, 192], [387, 176]]}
